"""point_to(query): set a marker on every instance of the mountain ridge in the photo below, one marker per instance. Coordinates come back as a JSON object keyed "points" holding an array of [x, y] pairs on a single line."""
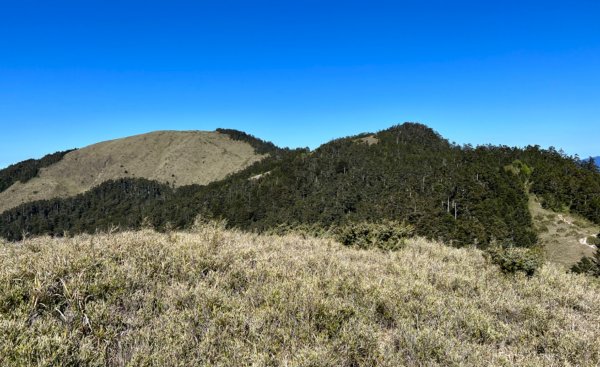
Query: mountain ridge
{"points": [[457, 194], [175, 158]]}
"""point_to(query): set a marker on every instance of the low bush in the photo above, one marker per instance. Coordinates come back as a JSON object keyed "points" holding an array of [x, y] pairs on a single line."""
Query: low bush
{"points": [[588, 265], [516, 259], [593, 240], [386, 235], [303, 230]]}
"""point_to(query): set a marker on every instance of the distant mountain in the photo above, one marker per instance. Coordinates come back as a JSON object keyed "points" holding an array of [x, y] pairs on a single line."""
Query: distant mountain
{"points": [[462, 195], [174, 158], [597, 160]]}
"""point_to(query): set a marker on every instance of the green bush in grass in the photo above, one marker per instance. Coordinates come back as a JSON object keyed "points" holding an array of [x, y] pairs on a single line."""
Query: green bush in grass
{"points": [[386, 235], [516, 259]]}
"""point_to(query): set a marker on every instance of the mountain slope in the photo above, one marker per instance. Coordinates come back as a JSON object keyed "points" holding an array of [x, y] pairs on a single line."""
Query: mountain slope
{"points": [[407, 172], [562, 235], [211, 297], [28, 169], [460, 195], [175, 158]]}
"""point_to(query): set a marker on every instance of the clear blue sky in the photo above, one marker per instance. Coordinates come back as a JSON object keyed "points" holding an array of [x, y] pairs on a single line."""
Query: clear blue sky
{"points": [[298, 72]]}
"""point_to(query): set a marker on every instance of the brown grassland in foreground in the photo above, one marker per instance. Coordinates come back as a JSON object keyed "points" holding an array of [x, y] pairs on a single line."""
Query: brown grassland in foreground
{"points": [[218, 297]]}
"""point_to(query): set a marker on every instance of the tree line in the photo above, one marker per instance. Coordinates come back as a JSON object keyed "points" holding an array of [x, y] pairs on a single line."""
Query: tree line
{"points": [[28, 169]]}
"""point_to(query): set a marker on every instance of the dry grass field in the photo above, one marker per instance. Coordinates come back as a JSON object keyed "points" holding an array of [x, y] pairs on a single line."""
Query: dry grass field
{"points": [[226, 298], [177, 157], [562, 235]]}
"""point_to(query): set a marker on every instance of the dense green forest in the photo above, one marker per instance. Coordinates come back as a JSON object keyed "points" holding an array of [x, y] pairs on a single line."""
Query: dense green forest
{"points": [[122, 203], [26, 170], [459, 194], [259, 145]]}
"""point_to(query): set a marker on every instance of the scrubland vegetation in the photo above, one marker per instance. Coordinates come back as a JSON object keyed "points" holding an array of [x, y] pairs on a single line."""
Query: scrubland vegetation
{"points": [[212, 296]]}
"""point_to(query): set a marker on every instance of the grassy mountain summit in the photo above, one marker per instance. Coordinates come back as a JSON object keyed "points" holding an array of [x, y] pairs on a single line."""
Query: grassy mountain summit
{"points": [[174, 158]]}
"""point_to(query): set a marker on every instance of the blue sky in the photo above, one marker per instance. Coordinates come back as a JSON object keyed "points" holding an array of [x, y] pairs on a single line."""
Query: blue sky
{"points": [[298, 73]]}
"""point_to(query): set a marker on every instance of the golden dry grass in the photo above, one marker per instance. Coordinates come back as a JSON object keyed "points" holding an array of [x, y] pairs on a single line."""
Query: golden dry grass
{"points": [[560, 234], [226, 298], [177, 157]]}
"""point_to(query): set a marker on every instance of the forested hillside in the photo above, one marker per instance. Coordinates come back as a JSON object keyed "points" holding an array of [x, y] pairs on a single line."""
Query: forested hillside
{"points": [[462, 195], [405, 173]]}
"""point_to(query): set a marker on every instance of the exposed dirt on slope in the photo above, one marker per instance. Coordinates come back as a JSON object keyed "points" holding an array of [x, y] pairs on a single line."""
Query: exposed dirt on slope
{"points": [[177, 157], [369, 139]]}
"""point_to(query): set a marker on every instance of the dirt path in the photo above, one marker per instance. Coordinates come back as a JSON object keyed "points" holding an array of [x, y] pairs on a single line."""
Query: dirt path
{"points": [[584, 240], [566, 220]]}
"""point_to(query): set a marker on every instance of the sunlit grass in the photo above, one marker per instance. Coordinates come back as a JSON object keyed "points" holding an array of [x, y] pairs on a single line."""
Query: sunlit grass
{"points": [[218, 297]]}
